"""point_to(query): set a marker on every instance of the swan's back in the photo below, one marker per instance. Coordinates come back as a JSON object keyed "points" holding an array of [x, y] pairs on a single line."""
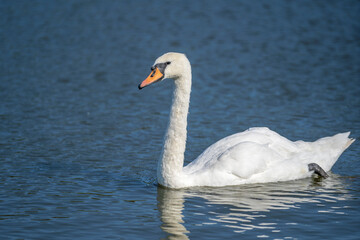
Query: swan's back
{"points": [[261, 155], [256, 135]]}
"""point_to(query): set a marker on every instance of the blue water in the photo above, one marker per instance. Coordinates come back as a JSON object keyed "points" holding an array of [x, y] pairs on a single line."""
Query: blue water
{"points": [[79, 142]]}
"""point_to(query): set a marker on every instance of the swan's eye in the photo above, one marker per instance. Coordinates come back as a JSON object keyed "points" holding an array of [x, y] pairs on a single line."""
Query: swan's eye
{"points": [[167, 63]]}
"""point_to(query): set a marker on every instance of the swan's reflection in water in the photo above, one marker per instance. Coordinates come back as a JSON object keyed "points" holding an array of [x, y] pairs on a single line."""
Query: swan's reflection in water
{"points": [[171, 205], [241, 207]]}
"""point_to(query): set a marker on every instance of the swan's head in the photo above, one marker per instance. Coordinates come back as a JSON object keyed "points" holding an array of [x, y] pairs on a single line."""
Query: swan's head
{"points": [[170, 65]]}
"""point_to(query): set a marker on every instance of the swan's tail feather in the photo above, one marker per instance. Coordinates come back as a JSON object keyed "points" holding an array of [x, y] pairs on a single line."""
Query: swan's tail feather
{"points": [[344, 137], [350, 141], [332, 147]]}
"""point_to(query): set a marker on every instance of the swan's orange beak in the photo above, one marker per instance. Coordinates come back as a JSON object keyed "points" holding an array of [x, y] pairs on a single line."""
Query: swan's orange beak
{"points": [[154, 76]]}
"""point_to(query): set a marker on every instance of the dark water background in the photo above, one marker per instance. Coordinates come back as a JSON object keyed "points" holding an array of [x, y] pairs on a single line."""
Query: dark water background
{"points": [[79, 142]]}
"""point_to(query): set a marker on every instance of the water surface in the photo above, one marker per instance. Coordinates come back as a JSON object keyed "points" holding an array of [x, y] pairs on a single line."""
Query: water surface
{"points": [[79, 143]]}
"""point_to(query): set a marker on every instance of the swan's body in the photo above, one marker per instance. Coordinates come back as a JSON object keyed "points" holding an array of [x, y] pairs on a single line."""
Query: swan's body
{"points": [[254, 156]]}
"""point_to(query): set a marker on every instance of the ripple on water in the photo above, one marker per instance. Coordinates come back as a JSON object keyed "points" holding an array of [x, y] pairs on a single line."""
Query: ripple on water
{"points": [[79, 142], [271, 209]]}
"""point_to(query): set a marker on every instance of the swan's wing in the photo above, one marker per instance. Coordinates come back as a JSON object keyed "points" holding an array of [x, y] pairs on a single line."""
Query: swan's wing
{"points": [[246, 159], [244, 153]]}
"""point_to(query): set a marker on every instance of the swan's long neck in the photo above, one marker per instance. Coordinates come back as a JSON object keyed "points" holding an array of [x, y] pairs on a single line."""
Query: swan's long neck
{"points": [[172, 158]]}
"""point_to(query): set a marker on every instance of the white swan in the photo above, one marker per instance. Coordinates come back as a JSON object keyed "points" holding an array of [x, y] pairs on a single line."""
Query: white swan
{"points": [[253, 156]]}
